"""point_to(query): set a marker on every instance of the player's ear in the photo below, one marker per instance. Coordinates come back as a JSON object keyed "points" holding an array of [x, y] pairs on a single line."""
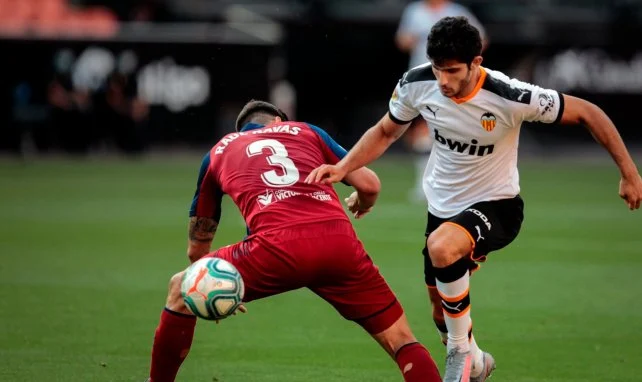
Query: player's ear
{"points": [[277, 119], [477, 60]]}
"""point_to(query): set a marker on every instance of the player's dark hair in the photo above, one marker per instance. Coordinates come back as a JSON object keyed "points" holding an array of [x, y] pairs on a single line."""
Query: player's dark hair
{"points": [[258, 112], [454, 38]]}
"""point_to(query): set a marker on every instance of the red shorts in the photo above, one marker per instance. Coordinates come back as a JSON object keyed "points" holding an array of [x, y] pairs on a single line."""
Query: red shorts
{"points": [[326, 257]]}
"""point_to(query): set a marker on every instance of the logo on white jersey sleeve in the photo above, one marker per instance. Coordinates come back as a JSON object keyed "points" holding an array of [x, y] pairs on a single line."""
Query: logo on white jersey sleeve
{"points": [[546, 103]]}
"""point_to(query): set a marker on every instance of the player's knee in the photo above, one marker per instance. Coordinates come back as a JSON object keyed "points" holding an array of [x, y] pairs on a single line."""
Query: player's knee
{"points": [[441, 251], [448, 244], [174, 298]]}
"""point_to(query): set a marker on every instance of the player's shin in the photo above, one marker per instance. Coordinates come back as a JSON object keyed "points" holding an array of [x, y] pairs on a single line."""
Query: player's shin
{"points": [[453, 284], [172, 342]]}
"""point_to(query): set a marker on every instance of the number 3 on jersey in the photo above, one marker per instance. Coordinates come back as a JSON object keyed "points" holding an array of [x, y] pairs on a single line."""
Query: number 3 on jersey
{"points": [[279, 158]]}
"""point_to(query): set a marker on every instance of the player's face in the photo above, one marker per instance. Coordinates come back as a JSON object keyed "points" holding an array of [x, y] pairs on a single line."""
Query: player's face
{"points": [[452, 76]]}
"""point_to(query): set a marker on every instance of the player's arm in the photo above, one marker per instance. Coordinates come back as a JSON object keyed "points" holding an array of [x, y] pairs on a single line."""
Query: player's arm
{"points": [[363, 180], [367, 186], [370, 146], [201, 235], [405, 38], [205, 213], [377, 139], [406, 41], [580, 111], [374, 143]]}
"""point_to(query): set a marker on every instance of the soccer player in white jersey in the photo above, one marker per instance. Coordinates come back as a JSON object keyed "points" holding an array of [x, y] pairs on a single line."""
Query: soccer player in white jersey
{"points": [[471, 181]]}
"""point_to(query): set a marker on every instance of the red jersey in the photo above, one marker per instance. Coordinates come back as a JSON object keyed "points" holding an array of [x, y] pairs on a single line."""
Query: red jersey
{"points": [[262, 169]]}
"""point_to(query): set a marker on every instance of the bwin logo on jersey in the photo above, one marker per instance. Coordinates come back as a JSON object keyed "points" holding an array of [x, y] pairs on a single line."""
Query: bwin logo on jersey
{"points": [[488, 121], [461, 147]]}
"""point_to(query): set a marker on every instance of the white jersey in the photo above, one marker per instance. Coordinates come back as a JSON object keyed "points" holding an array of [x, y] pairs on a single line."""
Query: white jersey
{"points": [[474, 153]]}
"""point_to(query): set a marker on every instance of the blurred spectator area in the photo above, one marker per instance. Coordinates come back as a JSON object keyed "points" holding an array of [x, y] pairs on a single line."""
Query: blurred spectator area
{"points": [[543, 22], [55, 18], [512, 21], [134, 10], [332, 62]]}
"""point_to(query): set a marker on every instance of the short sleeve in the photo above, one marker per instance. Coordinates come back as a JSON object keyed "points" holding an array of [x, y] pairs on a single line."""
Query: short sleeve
{"points": [[208, 195], [401, 107], [332, 151], [545, 106]]}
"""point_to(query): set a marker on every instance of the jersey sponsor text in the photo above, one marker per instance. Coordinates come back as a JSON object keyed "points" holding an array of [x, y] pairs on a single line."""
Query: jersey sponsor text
{"points": [[469, 148]]}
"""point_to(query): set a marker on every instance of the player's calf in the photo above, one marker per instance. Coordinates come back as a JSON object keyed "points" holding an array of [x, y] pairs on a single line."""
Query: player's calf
{"points": [[173, 337], [438, 313], [396, 336]]}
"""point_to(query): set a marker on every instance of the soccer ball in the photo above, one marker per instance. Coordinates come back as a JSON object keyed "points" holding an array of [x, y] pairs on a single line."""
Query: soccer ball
{"points": [[212, 288]]}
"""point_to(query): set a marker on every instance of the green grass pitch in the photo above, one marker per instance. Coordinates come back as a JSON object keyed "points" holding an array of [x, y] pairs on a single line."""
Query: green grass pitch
{"points": [[88, 247]]}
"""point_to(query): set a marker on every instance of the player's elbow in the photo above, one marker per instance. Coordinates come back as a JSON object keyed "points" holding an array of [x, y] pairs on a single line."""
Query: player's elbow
{"points": [[369, 182], [193, 257], [592, 113], [197, 249], [405, 42], [373, 187]]}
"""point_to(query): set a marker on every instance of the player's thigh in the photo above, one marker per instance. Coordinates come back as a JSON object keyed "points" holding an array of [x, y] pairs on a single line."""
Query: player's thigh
{"points": [[264, 269], [353, 285], [492, 225]]}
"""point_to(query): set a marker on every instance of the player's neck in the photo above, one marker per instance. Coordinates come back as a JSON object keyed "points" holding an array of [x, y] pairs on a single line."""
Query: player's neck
{"points": [[468, 90]]}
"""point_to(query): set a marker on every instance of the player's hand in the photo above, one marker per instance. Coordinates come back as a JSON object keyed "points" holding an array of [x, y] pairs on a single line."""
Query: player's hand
{"points": [[631, 191], [241, 309], [354, 206], [326, 174]]}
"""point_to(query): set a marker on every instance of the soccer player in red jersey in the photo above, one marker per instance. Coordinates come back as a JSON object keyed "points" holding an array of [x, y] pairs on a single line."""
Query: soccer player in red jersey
{"points": [[298, 236]]}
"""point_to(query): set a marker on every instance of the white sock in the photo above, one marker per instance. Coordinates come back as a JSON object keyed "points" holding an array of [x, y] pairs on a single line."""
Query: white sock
{"points": [[456, 306]]}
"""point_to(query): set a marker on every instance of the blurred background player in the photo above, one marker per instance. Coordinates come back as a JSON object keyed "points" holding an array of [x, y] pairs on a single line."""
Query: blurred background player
{"points": [[472, 181], [124, 113], [412, 36], [299, 236], [70, 108]]}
